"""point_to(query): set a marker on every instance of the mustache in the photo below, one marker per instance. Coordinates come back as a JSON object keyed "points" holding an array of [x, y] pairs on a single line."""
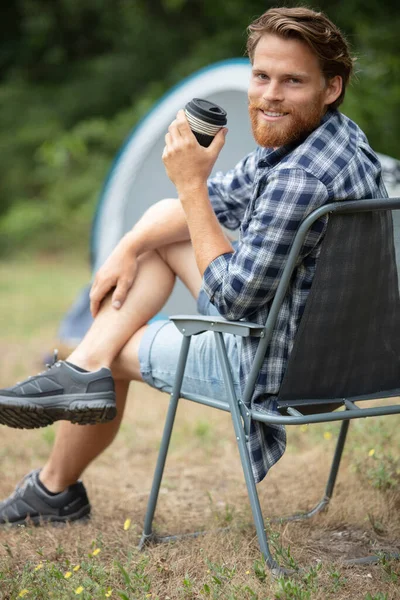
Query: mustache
{"points": [[269, 108]]}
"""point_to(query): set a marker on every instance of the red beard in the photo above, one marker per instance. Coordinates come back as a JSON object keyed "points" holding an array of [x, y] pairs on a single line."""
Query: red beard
{"points": [[295, 125]]}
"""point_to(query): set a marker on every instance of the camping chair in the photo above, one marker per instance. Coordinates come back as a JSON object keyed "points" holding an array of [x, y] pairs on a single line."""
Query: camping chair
{"points": [[346, 350]]}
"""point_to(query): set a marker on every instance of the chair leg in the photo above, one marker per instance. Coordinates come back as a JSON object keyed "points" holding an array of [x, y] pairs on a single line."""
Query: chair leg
{"points": [[275, 568], [330, 483], [336, 459], [162, 455]]}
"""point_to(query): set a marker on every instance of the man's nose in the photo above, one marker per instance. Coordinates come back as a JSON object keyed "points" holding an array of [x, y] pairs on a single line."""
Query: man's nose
{"points": [[273, 91]]}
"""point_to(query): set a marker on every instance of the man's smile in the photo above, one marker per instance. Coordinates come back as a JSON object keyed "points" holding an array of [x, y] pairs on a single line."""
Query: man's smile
{"points": [[271, 115]]}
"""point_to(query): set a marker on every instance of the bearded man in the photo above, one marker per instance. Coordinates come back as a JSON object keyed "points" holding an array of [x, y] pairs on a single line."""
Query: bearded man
{"points": [[308, 154]]}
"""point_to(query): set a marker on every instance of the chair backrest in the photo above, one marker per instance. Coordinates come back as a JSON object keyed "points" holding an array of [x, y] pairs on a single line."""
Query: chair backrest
{"points": [[348, 341]]}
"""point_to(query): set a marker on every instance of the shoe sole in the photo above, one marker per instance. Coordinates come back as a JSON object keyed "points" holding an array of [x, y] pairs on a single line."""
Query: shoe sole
{"points": [[82, 516], [85, 409]]}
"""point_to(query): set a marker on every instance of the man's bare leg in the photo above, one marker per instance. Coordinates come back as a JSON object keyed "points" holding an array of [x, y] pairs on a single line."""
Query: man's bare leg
{"points": [[76, 445], [113, 328]]}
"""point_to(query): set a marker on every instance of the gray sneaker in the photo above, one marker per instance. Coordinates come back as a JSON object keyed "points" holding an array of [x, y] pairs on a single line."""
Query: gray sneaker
{"points": [[63, 392], [31, 504]]}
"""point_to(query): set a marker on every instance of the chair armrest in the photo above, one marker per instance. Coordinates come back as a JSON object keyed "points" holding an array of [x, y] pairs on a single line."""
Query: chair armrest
{"points": [[194, 324]]}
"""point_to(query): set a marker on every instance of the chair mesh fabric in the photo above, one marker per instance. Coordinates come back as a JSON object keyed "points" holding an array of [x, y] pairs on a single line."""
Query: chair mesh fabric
{"points": [[348, 340]]}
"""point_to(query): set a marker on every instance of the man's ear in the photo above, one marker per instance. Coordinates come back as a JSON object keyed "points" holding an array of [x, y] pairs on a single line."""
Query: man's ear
{"points": [[333, 89]]}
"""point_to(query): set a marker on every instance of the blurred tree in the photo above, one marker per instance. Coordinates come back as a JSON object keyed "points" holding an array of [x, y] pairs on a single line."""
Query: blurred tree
{"points": [[75, 75]]}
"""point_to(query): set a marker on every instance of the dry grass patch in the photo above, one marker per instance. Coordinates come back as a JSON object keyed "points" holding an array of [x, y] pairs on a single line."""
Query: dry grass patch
{"points": [[203, 488]]}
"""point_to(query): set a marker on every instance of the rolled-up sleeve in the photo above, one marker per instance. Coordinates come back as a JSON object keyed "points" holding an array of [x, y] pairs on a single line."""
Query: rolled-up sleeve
{"points": [[239, 283], [230, 192]]}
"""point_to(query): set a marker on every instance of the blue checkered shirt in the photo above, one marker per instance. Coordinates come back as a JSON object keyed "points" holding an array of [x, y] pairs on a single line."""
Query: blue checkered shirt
{"points": [[266, 196]]}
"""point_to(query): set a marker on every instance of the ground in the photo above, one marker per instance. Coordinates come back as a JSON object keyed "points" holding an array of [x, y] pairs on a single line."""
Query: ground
{"points": [[203, 488]]}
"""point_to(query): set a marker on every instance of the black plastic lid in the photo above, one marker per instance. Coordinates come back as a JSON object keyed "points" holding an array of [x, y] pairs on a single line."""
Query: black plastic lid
{"points": [[207, 111]]}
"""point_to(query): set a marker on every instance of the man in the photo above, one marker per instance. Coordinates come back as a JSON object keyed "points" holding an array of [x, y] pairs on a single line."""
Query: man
{"points": [[308, 154]]}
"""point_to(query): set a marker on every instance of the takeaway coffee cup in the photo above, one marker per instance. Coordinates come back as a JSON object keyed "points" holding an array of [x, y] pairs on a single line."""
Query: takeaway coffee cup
{"points": [[205, 119]]}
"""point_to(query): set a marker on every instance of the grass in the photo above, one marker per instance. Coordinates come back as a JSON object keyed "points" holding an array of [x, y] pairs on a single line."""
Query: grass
{"points": [[202, 489], [34, 294]]}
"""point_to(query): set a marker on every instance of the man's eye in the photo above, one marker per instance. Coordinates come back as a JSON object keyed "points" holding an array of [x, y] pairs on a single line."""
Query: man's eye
{"points": [[294, 80], [262, 76]]}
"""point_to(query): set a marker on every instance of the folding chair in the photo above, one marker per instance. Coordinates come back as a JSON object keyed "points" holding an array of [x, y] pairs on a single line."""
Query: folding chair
{"points": [[346, 350]]}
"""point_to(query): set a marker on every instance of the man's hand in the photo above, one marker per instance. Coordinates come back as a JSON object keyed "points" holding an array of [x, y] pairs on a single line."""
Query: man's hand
{"points": [[188, 164], [118, 272]]}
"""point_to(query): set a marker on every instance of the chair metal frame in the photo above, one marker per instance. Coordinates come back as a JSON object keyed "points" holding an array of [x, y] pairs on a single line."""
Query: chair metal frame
{"points": [[238, 407]]}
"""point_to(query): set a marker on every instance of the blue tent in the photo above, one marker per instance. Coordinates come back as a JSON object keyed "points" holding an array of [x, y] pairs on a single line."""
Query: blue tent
{"points": [[137, 177]]}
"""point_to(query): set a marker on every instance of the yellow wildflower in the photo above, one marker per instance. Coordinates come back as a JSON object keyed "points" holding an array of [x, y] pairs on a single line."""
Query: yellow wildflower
{"points": [[96, 552], [371, 452], [79, 590], [76, 568], [327, 435], [23, 593], [127, 524], [39, 566], [247, 572], [67, 575], [108, 593]]}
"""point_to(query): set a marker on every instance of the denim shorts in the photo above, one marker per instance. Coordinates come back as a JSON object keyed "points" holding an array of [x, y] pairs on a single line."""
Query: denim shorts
{"points": [[159, 352]]}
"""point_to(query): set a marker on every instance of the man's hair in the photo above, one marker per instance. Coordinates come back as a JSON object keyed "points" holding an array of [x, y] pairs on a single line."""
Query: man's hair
{"points": [[313, 28]]}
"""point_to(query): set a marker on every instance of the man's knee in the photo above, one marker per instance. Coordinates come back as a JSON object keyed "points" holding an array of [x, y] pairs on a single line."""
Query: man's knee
{"points": [[180, 258], [171, 251]]}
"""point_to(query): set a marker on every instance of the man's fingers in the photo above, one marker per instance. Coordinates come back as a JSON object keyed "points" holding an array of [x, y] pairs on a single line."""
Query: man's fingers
{"points": [[121, 292], [183, 124], [94, 307], [218, 141], [179, 129], [96, 297], [182, 121], [97, 294], [168, 140], [174, 130]]}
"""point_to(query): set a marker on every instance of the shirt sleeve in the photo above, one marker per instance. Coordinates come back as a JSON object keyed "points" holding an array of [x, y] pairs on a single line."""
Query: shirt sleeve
{"points": [[237, 284], [230, 192]]}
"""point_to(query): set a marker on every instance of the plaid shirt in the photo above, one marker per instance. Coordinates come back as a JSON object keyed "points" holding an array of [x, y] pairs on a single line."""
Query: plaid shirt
{"points": [[267, 195]]}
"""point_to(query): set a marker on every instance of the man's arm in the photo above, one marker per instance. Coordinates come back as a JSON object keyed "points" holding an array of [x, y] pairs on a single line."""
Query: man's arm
{"points": [[230, 192], [208, 238], [188, 166], [238, 284]]}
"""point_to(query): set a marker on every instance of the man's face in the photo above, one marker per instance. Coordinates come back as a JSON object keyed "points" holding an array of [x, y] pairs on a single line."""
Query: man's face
{"points": [[288, 94]]}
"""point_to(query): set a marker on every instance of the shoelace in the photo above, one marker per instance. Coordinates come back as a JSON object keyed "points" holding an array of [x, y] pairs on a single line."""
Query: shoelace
{"points": [[55, 360], [55, 363]]}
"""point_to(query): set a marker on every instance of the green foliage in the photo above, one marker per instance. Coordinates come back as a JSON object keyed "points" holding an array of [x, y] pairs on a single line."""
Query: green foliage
{"points": [[298, 589], [373, 456], [76, 75], [373, 98], [87, 579], [338, 580], [385, 472], [288, 589], [390, 568]]}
